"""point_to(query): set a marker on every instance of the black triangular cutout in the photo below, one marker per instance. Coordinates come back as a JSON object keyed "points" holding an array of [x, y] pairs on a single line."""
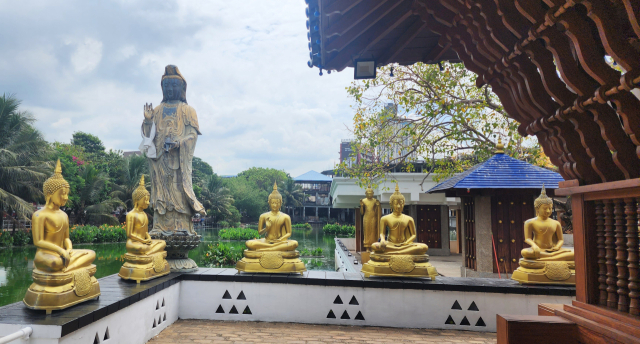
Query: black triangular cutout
{"points": [[241, 296], [449, 321], [96, 340], [480, 322], [154, 323], [226, 295], [233, 310], [157, 304], [160, 320], [465, 322], [456, 305], [473, 306], [220, 309], [345, 315], [162, 303], [106, 334], [331, 315], [337, 301], [164, 318], [247, 310], [353, 301], [359, 316]]}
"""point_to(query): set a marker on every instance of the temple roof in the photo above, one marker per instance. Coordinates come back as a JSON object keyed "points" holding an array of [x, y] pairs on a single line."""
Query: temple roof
{"points": [[312, 176], [501, 172], [389, 31]]}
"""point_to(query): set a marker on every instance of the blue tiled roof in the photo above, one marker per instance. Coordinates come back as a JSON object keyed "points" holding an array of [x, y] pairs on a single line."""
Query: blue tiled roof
{"points": [[501, 172], [313, 176]]}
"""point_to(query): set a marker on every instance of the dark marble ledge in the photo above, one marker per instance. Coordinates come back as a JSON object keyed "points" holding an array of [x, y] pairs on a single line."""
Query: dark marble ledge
{"points": [[116, 294]]}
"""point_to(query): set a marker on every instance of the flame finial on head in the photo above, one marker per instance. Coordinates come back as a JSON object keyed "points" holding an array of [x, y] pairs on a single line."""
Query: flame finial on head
{"points": [[275, 194], [140, 192], [55, 182]]}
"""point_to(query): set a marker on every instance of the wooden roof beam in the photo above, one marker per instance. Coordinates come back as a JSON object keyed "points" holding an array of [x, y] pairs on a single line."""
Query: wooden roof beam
{"points": [[340, 7], [402, 42], [341, 42], [352, 18], [436, 53]]}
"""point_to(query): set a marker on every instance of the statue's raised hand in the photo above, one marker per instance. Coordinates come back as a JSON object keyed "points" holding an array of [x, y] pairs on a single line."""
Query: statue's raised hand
{"points": [[148, 111]]}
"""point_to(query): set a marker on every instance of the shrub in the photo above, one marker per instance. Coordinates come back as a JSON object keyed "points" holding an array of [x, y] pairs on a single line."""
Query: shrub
{"points": [[90, 234], [303, 226], [237, 224], [22, 238], [316, 252], [238, 234], [345, 231], [221, 254], [6, 240], [223, 224]]}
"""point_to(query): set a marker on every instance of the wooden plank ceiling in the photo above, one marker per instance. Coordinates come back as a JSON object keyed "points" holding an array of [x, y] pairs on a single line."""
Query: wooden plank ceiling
{"points": [[549, 61], [341, 31]]}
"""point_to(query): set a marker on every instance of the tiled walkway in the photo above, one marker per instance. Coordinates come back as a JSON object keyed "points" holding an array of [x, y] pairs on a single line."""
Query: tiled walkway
{"points": [[203, 331]]}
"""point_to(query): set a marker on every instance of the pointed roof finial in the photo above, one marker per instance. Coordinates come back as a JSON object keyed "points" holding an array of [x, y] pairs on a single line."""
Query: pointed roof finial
{"points": [[500, 146]]}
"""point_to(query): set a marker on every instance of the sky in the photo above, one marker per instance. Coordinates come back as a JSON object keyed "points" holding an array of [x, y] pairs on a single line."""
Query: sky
{"points": [[91, 66]]}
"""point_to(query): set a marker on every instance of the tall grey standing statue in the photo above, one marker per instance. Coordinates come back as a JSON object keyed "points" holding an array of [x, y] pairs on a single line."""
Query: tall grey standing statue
{"points": [[172, 128]]}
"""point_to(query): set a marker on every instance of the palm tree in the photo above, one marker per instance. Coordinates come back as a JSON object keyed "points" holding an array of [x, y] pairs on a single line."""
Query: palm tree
{"points": [[216, 199], [292, 194], [93, 206], [135, 167], [24, 156]]}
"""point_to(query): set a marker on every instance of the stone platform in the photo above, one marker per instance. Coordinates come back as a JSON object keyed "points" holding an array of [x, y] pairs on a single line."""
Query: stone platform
{"points": [[133, 314]]}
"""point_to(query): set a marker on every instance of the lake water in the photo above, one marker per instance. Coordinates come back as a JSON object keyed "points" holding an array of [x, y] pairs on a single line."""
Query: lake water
{"points": [[16, 263]]}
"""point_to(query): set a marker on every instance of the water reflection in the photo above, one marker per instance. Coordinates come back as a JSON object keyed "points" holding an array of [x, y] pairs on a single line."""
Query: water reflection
{"points": [[16, 263]]}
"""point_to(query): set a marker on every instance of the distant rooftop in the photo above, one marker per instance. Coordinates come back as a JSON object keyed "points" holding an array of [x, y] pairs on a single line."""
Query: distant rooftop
{"points": [[228, 176], [501, 172], [129, 153], [312, 176]]}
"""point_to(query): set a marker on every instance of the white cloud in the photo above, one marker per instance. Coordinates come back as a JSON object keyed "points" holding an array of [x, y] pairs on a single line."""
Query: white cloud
{"points": [[91, 66]]}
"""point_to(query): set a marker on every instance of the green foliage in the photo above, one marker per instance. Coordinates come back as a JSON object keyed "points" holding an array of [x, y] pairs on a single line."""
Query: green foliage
{"points": [[238, 234], [342, 231], [221, 254], [92, 234], [223, 224], [22, 237], [200, 171], [303, 226], [90, 143], [24, 159], [6, 240], [440, 117], [311, 253]]}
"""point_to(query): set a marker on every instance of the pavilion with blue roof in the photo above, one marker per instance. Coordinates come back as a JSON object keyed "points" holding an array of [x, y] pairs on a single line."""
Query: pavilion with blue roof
{"points": [[496, 199], [316, 204]]}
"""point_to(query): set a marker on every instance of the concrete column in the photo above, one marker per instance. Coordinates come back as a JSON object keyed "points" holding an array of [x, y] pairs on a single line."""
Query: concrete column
{"points": [[484, 248], [316, 211], [304, 213], [329, 213]]}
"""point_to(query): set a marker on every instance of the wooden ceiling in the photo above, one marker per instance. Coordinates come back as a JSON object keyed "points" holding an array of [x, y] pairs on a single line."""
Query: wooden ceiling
{"points": [[385, 30]]}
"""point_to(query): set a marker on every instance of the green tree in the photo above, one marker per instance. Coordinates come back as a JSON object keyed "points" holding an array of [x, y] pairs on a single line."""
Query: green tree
{"points": [[24, 159], [90, 143], [292, 193], [201, 170], [437, 116], [216, 200], [263, 178], [93, 207], [135, 166]]}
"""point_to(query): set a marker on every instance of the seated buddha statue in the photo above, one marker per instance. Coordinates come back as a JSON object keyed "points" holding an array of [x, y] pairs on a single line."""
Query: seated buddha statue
{"points": [[545, 262], [62, 276], [275, 253], [145, 258], [396, 254]]}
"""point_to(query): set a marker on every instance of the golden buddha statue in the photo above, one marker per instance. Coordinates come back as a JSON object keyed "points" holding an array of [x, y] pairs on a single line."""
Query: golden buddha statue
{"points": [[62, 276], [370, 210], [397, 254], [545, 262], [275, 252], [145, 258]]}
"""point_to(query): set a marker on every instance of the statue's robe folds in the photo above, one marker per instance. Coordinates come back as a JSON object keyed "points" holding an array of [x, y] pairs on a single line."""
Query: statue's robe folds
{"points": [[172, 197]]}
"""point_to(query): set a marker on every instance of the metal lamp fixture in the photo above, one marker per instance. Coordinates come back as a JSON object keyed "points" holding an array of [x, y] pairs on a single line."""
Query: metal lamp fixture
{"points": [[364, 69]]}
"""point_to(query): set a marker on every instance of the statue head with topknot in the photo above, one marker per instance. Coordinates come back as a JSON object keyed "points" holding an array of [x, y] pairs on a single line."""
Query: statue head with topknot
{"points": [[56, 189], [140, 196], [397, 201], [275, 199], [174, 85], [369, 192], [543, 204]]}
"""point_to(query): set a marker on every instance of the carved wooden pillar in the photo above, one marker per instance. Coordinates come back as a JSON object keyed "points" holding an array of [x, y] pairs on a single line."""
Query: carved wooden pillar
{"points": [[621, 256], [632, 244], [602, 252], [609, 232]]}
